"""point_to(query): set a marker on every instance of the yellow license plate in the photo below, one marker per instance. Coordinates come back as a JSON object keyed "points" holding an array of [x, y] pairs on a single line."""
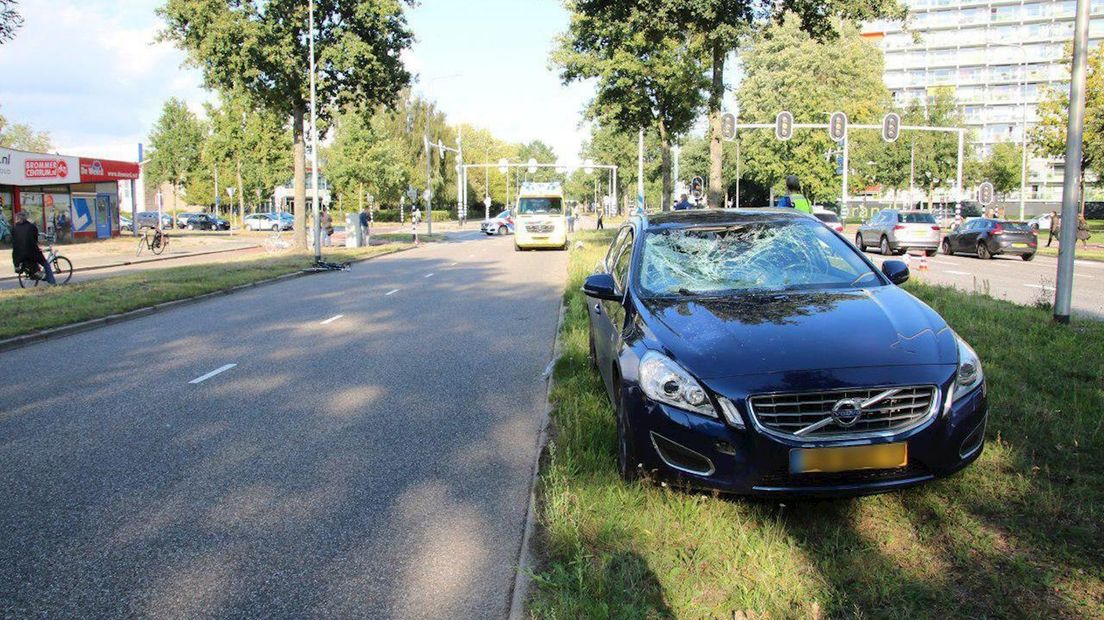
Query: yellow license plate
{"points": [[1019, 245], [828, 460]]}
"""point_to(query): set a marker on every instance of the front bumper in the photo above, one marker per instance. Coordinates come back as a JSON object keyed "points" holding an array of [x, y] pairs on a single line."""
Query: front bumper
{"points": [[710, 453]]}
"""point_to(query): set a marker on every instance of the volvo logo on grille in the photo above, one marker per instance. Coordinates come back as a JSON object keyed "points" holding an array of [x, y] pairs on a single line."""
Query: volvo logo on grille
{"points": [[847, 412]]}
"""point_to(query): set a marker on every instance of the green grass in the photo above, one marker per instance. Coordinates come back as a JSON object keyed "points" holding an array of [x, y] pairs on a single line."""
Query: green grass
{"points": [[34, 309], [1017, 534]]}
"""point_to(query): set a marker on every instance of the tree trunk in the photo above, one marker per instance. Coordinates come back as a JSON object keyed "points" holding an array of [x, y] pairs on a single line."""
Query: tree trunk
{"points": [[665, 166], [299, 151], [716, 147], [241, 194]]}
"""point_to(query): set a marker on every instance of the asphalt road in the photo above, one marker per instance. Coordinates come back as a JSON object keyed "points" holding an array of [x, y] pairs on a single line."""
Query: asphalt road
{"points": [[371, 465], [1013, 279]]}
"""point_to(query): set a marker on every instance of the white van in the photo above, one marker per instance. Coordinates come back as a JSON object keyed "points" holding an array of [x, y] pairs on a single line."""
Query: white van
{"points": [[541, 221]]}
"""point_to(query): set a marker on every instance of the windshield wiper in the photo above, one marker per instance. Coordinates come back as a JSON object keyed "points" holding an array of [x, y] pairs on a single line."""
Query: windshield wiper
{"points": [[862, 277]]}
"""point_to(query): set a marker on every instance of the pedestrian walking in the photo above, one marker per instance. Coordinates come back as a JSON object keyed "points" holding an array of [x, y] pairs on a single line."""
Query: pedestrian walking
{"points": [[600, 226], [1052, 232], [1082, 231], [415, 219], [326, 222], [571, 219]]}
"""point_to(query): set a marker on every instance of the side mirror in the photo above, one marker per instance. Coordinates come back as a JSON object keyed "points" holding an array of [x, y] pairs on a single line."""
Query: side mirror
{"points": [[897, 271], [601, 286]]}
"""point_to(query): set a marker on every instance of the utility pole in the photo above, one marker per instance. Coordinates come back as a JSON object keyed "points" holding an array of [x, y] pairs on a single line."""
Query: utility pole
{"points": [[429, 181], [640, 171], [1067, 236], [316, 210]]}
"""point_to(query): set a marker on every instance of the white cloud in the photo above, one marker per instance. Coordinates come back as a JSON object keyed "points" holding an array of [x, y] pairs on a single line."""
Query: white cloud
{"points": [[92, 74]]}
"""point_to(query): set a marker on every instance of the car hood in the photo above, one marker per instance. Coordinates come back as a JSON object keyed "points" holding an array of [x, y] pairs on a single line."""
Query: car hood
{"points": [[784, 332]]}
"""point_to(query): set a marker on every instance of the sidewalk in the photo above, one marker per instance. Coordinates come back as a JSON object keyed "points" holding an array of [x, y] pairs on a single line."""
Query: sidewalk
{"points": [[122, 251]]}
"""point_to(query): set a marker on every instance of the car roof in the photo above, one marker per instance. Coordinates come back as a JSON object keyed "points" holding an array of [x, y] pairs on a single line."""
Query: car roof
{"points": [[720, 217]]}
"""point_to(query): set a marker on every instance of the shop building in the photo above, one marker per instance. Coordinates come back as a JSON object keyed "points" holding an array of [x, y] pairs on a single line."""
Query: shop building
{"points": [[85, 190]]}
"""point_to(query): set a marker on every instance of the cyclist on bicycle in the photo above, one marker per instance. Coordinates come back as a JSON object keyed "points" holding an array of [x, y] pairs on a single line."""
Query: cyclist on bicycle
{"points": [[25, 250]]}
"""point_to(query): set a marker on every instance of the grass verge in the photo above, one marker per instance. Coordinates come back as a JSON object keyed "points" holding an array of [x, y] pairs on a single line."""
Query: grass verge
{"points": [[1017, 534], [30, 310]]}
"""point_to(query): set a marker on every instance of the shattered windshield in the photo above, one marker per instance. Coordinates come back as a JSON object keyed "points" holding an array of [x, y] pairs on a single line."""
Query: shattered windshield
{"points": [[787, 255]]}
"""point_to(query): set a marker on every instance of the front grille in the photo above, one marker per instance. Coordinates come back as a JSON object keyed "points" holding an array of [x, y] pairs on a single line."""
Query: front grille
{"points": [[786, 414], [539, 228]]}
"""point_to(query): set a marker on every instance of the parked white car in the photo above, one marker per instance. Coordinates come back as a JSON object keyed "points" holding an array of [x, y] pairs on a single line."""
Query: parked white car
{"points": [[1040, 222]]}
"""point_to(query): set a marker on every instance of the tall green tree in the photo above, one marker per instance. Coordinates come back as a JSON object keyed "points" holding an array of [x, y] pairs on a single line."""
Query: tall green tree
{"points": [[482, 147], [23, 137], [1002, 167], [10, 20], [541, 152], [1048, 137], [364, 159], [648, 73], [260, 48], [778, 66], [176, 143]]}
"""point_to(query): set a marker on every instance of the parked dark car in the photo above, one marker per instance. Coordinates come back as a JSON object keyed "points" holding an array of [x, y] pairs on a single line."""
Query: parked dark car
{"points": [[988, 237], [201, 221], [219, 223], [758, 352]]}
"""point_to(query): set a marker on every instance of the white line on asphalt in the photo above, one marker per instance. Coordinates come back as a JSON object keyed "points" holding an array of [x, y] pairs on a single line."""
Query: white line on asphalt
{"points": [[1048, 288], [214, 372], [454, 264], [941, 262], [429, 275], [332, 319], [391, 292], [959, 273]]}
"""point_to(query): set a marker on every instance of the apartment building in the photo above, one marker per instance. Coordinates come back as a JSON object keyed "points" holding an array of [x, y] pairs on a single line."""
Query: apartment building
{"points": [[1000, 56]]}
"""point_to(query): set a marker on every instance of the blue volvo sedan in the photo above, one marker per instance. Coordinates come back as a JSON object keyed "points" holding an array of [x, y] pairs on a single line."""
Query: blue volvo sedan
{"points": [[758, 352]]}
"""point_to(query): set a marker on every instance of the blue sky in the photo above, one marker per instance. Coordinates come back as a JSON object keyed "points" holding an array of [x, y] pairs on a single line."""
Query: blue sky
{"points": [[89, 72]]}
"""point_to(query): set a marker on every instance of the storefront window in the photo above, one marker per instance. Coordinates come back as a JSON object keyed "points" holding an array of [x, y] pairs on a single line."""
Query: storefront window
{"points": [[31, 204]]}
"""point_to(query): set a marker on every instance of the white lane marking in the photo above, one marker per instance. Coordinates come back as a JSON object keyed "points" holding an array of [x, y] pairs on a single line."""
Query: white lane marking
{"points": [[331, 319], [940, 262], [1040, 286], [959, 273], [454, 264], [429, 275], [214, 372], [391, 292]]}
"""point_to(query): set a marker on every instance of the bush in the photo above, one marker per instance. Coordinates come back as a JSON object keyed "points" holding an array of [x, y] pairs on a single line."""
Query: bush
{"points": [[392, 215]]}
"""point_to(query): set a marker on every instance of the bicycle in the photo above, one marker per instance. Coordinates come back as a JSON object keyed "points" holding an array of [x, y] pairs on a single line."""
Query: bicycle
{"points": [[275, 243], [30, 274], [156, 243]]}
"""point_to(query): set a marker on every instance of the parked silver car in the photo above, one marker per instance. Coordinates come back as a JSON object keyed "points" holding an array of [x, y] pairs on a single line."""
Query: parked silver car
{"points": [[267, 221], [896, 232]]}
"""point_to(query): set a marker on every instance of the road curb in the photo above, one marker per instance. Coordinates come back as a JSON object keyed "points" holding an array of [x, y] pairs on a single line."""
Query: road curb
{"points": [[526, 563], [16, 342], [151, 260]]}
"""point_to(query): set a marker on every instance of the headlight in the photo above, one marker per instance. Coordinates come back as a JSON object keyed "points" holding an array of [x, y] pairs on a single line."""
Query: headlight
{"points": [[665, 381], [969, 374]]}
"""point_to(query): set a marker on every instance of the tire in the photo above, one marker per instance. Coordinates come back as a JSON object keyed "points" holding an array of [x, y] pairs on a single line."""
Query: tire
{"points": [[946, 246], [1027, 257], [859, 242], [983, 251], [626, 452], [884, 248], [191, 226], [929, 252], [502, 230], [23, 282], [275, 228], [158, 248], [63, 269]]}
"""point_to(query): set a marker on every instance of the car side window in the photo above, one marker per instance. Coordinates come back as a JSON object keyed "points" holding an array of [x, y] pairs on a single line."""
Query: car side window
{"points": [[615, 248], [621, 269]]}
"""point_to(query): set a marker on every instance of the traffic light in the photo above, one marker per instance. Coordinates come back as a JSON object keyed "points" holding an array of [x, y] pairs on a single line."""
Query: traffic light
{"points": [[837, 126], [728, 126], [985, 193], [697, 187], [891, 127], [783, 125]]}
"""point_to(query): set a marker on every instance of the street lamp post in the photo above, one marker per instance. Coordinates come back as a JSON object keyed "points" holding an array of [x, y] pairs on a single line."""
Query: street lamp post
{"points": [[315, 209]]}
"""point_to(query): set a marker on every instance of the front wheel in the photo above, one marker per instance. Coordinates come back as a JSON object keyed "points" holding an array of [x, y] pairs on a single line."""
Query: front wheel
{"points": [[983, 251], [191, 226], [947, 248], [63, 269], [502, 230], [276, 228], [1027, 257]]}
